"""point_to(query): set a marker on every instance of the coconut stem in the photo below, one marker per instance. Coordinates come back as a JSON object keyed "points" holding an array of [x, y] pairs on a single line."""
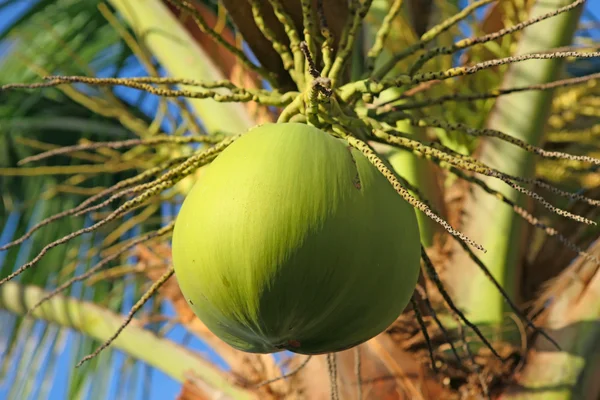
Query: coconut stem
{"points": [[319, 85], [327, 47]]}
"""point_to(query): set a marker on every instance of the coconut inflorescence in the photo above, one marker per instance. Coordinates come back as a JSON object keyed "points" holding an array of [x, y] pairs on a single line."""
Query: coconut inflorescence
{"points": [[293, 240]]}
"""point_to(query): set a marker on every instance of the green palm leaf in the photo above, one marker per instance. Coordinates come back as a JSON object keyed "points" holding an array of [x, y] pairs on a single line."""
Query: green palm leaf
{"points": [[77, 39]]}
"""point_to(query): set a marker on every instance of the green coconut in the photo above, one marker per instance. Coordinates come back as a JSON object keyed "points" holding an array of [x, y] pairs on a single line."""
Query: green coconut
{"points": [[293, 240]]}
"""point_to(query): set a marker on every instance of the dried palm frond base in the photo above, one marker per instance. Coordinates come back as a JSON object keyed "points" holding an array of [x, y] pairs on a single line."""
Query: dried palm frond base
{"points": [[473, 375]]}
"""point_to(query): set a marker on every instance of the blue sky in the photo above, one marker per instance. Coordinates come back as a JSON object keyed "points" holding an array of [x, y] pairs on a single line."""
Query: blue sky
{"points": [[162, 387]]}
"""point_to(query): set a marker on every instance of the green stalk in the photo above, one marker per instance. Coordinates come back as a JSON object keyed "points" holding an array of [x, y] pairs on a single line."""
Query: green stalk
{"points": [[418, 172], [523, 115], [99, 323], [182, 57], [415, 170]]}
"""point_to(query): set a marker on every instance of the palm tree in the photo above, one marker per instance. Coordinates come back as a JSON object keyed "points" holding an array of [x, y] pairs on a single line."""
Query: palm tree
{"points": [[517, 118]]}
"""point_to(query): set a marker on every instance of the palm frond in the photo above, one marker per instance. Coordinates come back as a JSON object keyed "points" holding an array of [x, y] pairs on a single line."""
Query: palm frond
{"points": [[76, 39]]}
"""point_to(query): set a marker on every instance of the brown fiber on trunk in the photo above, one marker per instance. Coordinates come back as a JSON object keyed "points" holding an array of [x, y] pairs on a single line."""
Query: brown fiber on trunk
{"points": [[420, 15]]}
